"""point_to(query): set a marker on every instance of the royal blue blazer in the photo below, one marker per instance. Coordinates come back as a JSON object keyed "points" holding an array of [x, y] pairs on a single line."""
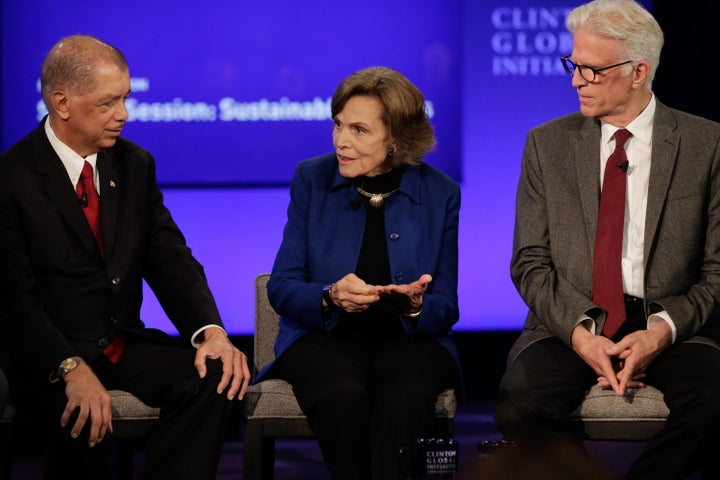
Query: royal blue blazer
{"points": [[324, 232]]}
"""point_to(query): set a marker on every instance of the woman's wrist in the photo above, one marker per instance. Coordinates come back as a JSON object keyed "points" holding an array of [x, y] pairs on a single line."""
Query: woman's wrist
{"points": [[328, 302]]}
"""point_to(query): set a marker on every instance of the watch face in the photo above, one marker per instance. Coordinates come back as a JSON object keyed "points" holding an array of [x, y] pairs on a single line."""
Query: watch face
{"points": [[68, 363]]}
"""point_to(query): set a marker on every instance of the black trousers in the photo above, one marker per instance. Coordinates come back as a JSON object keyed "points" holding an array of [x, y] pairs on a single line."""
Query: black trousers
{"points": [[547, 381], [366, 398], [193, 418]]}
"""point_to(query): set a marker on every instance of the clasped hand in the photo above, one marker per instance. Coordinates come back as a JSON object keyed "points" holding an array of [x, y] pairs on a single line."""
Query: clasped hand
{"points": [[621, 365], [352, 294]]}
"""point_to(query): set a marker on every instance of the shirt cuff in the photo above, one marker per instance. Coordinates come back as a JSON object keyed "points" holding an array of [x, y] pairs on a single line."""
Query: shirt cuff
{"points": [[656, 317], [588, 323], [193, 340]]}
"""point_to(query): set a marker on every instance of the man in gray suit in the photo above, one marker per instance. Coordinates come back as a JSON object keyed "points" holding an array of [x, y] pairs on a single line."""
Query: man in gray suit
{"points": [[668, 250]]}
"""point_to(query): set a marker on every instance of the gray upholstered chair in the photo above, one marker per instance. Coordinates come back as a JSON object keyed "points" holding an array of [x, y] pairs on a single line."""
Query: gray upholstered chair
{"points": [[637, 416], [132, 422], [270, 408]]}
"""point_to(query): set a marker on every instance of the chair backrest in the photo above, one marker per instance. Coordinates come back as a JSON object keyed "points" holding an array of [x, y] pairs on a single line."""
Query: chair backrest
{"points": [[266, 324]]}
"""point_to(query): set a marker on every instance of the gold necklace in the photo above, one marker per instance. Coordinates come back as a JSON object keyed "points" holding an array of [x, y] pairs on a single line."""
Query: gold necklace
{"points": [[376, 199]]}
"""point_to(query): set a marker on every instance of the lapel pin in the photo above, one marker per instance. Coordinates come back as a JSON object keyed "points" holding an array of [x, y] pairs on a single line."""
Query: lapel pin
{"points": [[112, 183]]}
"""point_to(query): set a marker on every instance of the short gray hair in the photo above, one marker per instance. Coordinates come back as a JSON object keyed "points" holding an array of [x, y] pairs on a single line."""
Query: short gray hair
{"points": [[625, 21]]}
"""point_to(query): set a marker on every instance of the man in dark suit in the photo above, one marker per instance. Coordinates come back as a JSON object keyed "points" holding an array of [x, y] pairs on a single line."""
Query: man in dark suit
{"points": [[72, 283], [657, 325]]}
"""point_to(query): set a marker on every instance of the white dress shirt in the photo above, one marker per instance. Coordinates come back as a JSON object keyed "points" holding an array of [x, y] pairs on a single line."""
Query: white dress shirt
{"points": [[638, 149]]}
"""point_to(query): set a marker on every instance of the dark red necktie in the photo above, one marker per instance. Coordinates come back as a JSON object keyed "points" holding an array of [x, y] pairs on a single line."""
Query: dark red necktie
{"points": [[90, 202], [607, 285]]}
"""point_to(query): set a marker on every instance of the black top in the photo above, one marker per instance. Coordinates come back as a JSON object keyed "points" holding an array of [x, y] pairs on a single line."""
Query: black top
{"points": [[374, 263]]}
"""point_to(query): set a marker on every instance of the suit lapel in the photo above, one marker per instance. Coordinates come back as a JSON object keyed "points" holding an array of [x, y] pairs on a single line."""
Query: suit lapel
{"points": [[587, 158], [662, 164], [54, 181], [109, 197], [664, 156]]}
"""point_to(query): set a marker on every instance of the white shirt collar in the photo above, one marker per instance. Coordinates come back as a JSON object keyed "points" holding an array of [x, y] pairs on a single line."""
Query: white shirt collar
{"points": [[641, 127], [71, 160]]}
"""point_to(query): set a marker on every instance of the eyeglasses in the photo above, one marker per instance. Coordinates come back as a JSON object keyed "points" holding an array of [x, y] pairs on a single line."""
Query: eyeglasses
{"points": [[589, 74]]}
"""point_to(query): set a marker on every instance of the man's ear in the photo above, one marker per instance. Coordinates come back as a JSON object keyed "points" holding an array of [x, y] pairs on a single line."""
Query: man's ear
{"points": [[60, 104], [640, 74]]}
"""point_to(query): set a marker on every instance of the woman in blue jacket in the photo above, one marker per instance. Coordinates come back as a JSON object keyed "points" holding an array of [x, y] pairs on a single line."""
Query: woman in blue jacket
{"points": [[365, 280]]}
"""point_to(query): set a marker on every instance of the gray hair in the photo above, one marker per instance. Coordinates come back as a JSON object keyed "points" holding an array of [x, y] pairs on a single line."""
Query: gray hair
{"points": [[72, 62], [625, 21]]}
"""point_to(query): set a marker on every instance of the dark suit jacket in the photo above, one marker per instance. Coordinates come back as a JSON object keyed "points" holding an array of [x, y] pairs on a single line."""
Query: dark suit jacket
{"points": [[58, 295], [557, 209], [324, 233]]}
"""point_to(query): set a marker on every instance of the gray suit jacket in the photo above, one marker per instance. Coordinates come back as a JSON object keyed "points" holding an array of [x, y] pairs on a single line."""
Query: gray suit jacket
{"points": [[556, 217]]}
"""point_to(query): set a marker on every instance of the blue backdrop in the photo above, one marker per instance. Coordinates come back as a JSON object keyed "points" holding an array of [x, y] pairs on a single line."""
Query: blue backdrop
{"points": [[234, 93], [490, 70]]}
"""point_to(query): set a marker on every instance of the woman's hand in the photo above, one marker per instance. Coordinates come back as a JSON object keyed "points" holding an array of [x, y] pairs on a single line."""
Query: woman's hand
{"points": [[409, 296], [352, 294]]}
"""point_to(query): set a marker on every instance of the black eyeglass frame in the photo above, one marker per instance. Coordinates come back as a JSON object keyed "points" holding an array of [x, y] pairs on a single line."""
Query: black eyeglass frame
{"points": [[576, 66]]}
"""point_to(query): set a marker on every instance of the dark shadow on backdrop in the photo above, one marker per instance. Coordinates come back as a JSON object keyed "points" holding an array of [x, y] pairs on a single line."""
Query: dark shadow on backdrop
{"points": [[689, 72]]}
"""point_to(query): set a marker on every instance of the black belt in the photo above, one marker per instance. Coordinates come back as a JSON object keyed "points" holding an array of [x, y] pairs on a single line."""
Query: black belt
{"points": [[630, 300], [635, 309]]}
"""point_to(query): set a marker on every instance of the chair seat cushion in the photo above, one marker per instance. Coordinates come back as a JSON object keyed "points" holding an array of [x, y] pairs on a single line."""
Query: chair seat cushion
{"points": [[273, 398], [637, 404], [126, 406]]}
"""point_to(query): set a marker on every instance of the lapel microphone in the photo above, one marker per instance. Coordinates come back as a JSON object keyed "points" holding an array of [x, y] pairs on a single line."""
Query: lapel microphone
{"points": [[623, 166], [83, 200]]}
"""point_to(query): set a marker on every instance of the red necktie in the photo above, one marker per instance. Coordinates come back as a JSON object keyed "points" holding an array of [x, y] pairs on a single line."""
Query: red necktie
{"points": [[607, 285], [90, 202]]}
